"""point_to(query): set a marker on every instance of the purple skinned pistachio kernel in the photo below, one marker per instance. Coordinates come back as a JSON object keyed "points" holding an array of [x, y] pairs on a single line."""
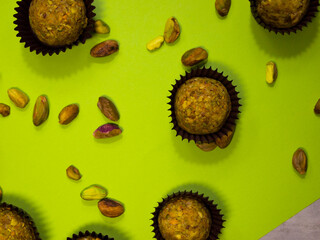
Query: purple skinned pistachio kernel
{"points": [[107, 130]]}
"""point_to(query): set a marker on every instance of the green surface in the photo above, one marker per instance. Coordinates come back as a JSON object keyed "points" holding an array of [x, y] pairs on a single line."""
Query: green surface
{"points": [[252, 180]]}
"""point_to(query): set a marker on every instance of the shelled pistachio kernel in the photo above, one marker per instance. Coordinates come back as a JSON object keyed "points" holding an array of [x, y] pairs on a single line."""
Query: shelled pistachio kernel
{"points": [[155, 43], [4, 110], [101, 27], [68, 114], [19, 98], [110, 208], [223, 7], [171, 30], [40, 110], [299, 161], [93, 192], [272, 72], [73, 173]]}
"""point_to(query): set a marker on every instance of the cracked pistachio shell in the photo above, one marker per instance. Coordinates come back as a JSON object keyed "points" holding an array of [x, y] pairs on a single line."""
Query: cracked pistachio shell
{"points": [[101, 27], [4, 110], [73, 173], [155, 43], [93, 192], [171, 30], [19, 98], [40, 111], [68, 113]]}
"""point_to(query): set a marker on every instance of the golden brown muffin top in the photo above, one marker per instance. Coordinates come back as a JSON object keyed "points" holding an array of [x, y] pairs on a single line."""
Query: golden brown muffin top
{"points": [[14, 227], [57, 22], [282, 13], [184, 218], [202, 105]]}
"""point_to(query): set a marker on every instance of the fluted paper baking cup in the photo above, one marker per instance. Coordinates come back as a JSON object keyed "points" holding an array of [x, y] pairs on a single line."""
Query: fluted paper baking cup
{"points": [[33, 43], [89, 234], [310, 14], [23, 215], [216, 216], [230, 122]]}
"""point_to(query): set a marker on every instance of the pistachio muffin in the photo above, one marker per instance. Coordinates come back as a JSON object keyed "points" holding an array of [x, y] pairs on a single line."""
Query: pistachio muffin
{"points": [[184, 218], [57, 22], [15, 224], [202, 105], [282, 13]]}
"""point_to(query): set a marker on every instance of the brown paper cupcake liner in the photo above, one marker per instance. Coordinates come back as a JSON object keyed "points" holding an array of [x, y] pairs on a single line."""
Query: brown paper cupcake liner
{"points": [[22, 214], [216, 216], [31, 41], [311, 13], [89, 234], [230, 121]]}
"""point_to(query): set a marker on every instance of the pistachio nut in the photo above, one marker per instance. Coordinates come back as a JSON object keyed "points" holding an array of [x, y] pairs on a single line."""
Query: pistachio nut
{"points": [[171, 30], [101, 27], [105, 48], [108, 108], [223, 7], [272, 72], [207, 147], [155, 43], [93, 192], [73, 173], [194, 56], [107, 130], [299, 161], [19, 98], [40, 111], [317, 107], [4, 110], [110, 208], [68, 113], [225, 140]]}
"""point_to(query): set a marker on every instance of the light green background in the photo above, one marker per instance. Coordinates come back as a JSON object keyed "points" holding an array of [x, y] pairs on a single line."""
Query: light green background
{"points": [[252, 181]]}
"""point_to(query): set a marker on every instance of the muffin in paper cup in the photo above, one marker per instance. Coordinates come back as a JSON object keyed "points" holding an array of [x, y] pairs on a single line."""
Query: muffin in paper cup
{"points": [[211, 113], [23, 227], [31, 39], [89, 236], [272, 21], [187, 209]]}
